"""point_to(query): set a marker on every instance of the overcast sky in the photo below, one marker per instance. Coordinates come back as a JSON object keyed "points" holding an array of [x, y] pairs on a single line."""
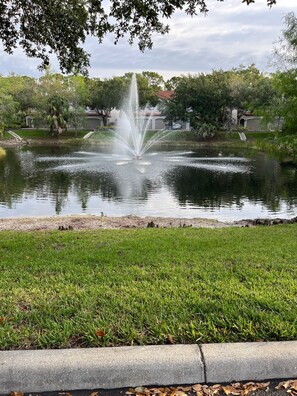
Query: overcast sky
{"points": [[231, 34]]}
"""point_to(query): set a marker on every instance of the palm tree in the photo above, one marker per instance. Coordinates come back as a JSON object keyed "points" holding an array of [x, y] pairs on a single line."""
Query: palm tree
{"points": [[57, 115]]}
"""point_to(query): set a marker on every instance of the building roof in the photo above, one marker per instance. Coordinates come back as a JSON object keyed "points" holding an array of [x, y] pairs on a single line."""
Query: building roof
{"points": [[165, 95]]}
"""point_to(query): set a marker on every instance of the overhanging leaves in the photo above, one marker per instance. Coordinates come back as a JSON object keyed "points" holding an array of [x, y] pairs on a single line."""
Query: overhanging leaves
{"points": [[61, 26]]}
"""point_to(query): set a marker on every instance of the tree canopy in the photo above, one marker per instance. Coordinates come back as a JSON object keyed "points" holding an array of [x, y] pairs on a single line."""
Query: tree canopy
{"points": [[285, 52], [285, 80], [61, 26], [202, 99]]}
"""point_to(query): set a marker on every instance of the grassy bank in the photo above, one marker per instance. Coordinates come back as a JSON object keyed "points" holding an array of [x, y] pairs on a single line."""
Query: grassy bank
{"points": [[42, 134], [179, 138], [282, 146], [146, 286]]}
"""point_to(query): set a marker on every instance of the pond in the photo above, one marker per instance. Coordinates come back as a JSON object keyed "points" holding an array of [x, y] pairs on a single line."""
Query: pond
{"points": [[225, 184]]}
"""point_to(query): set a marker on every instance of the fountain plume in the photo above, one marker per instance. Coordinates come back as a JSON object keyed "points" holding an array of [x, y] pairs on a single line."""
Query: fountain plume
{"points": [[131, 131]]}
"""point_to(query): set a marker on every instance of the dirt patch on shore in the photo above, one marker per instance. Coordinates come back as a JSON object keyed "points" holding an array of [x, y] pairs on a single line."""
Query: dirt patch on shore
{"points": [[92, 222], [95, 222]]}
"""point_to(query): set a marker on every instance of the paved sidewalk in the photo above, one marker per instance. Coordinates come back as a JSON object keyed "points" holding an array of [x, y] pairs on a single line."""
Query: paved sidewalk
{"points": [[110, 368]]}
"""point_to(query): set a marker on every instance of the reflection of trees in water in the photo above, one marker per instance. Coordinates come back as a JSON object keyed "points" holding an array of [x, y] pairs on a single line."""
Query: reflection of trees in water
{"points": [[12, 179], [21, 176], [60, 185], [268, 182], [86, 185]]}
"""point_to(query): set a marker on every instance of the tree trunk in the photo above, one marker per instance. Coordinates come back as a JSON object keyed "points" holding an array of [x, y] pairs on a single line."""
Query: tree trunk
{"points": [[105, 118]]}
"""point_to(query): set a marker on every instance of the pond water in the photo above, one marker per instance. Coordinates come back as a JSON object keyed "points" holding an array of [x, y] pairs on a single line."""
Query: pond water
{"points": [[211, 183]]}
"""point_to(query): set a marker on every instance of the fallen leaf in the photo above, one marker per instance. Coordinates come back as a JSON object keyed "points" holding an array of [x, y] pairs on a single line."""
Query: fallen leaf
{"points": [[139, 389], [208, 392], [284, 384], [215, 388], [294, 385], [249, 387], [262, 385], [170, 339], [180, 393], [100, 333], [237, 385], [16, 394], [2, 320], [230, 390], [248, 384], [94, 394], [197, 387]]}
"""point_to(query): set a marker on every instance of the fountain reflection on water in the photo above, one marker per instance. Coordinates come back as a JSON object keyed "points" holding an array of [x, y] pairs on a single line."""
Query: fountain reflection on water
{"points": [[133, 124]]}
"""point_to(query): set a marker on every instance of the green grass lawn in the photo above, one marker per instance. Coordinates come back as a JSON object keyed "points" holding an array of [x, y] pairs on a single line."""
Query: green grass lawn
{"points": [[44, 134], [135, 287]]}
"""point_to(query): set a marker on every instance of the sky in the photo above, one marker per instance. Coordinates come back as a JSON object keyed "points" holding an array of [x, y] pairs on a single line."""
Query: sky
{"points": [[231, 34]]}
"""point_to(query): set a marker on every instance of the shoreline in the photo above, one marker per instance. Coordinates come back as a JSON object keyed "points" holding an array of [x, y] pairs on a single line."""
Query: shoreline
{"points": [[93, 222]]}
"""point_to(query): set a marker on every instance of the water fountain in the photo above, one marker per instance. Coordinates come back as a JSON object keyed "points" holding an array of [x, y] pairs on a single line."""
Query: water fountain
{"points": [[133, 124], [175, 183]]}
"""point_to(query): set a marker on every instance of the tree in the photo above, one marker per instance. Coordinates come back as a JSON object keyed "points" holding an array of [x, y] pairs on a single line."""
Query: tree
{"points": [[285, 80], [52, 91], [61, 26], [24, 92], [8, 110], [78, 96], [251, 90], [202, 99], [155, 80], [8, 106], [57, 115], [286, 104], [23, 89], [148, 83], [172, 83], [285, 53], [106, 95]]}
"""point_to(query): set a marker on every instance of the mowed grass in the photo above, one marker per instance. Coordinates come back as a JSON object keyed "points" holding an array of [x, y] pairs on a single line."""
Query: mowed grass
{"points": [[147, 286]]}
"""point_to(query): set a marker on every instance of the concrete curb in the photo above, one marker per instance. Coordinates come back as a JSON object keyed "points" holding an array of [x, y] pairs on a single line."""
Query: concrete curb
{"points": [[250, 361], [110, 368]]}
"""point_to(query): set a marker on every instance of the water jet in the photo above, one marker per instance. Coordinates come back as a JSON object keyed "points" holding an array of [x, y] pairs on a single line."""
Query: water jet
{"points": [[133, 125]]}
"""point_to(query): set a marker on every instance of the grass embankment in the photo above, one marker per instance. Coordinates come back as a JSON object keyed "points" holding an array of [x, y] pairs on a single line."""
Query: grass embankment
{"points": [[130, 287], [176, 138], [43, 134], [284, 147]]}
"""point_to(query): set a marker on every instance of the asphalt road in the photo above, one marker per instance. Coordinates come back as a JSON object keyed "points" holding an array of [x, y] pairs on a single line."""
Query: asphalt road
{"points": [[271, 391]]}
